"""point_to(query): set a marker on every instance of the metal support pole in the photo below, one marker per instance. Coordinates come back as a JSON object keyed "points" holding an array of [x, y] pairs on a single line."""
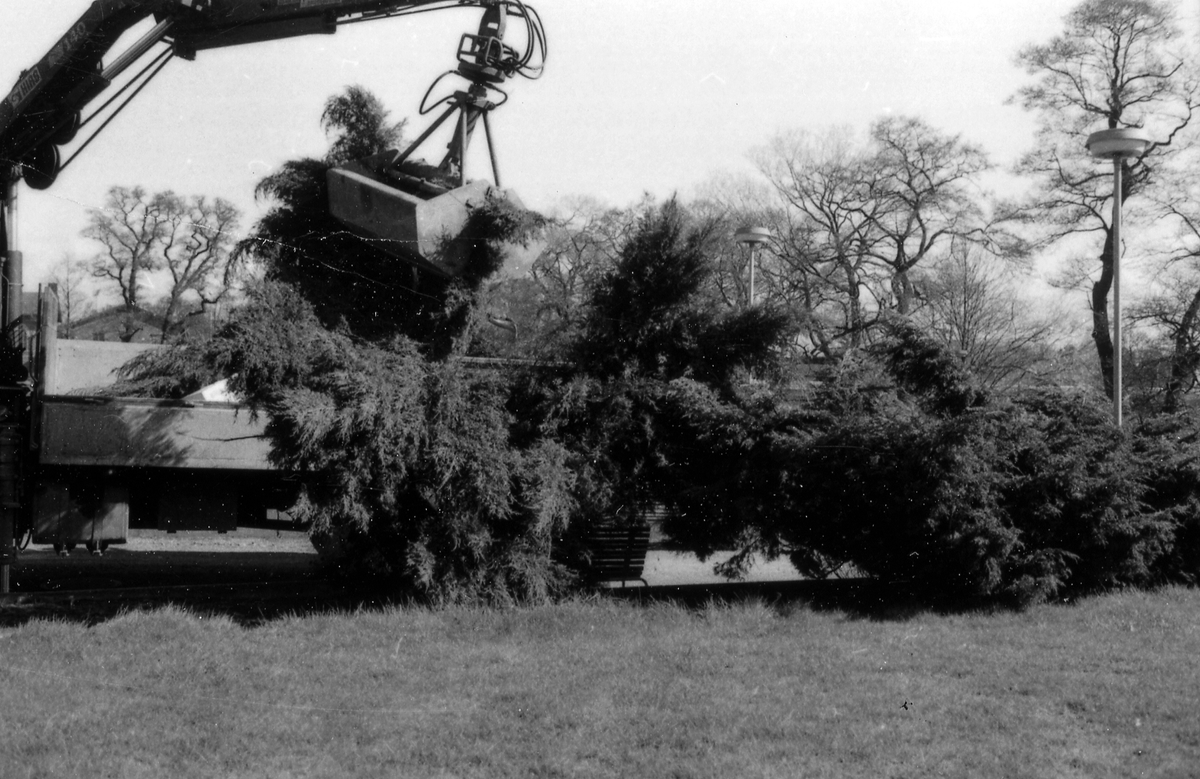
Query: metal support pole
{"points": [[14, 265], [471, 104], [462, 147], [1116, 261], [9, 440], [752, 237], [143, 45], [752, 249], [1118, 144], [487, 132], [428, 132]]}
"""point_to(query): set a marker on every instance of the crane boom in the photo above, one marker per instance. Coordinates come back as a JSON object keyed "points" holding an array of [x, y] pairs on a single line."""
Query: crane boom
{"points": [[416, 212], [43, 109]]}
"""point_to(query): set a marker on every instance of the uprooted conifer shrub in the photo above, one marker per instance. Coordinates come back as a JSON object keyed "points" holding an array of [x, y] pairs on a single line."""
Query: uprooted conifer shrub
{"points": [[1168, 446], [411, 478], [960, 497], [650, 328]]}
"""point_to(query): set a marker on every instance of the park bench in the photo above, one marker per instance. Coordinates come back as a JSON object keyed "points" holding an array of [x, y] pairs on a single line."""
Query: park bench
{"points": [[617, 553]]}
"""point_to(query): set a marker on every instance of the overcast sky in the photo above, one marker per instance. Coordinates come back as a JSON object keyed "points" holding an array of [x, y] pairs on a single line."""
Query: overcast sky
{"points": [[638, 96]]}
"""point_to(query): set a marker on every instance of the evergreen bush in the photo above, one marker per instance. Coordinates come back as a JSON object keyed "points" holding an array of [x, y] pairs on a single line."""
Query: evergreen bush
{"points": [[900, 467], [412, 480]]}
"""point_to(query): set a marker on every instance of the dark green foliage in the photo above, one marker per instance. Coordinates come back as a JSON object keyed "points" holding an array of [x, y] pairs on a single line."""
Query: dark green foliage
{"points": [[431, 476], [924, 368], [1019, 499], [168, 373], [908, 501], [1169, 449], [411, 478], [350, 283], [489, 227], [926, 483], [648, 333], [1082, 490], [648, 316], [359, 125], [725, 467], [900, 467], [650, 346], [272, 341]]}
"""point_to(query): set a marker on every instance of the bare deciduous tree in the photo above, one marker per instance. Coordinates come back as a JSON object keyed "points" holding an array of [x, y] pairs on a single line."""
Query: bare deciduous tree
{"points": [[129, 227], [857, 219], [732, 202], [197, 253], [69, 276], [826, 186], [1173, 309], [971, 304], [1117, 63], [581, 246], [930, 193], [185, 242]]}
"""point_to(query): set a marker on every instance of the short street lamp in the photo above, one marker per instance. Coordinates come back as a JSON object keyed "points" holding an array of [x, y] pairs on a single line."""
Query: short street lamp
{"points": [[752, 237], [1118, 145]]}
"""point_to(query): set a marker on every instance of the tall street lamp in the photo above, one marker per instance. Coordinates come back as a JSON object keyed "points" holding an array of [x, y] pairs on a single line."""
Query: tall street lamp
{"points": [[1117, 145], [752, 237]]}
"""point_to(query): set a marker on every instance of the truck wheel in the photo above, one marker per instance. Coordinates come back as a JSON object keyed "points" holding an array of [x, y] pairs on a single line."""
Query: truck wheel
{"points": [[65, 134], [40, 168]]}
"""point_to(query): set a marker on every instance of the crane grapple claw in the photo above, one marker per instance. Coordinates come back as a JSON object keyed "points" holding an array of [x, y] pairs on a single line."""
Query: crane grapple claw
{"points": [[415, 221]]}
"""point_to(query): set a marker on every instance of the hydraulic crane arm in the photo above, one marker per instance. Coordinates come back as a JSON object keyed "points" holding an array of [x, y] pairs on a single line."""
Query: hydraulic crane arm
{"points": [[385, 198], [43, 110], [234, 22], [405, 214]]}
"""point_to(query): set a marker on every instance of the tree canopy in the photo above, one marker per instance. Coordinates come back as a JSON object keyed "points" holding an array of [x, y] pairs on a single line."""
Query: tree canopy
{"points": [[148, 238], [1116, 64], [856, 222]]}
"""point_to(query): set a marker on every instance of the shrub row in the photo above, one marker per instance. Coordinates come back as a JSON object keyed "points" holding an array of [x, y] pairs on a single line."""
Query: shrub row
{"points": [[932, 484]]}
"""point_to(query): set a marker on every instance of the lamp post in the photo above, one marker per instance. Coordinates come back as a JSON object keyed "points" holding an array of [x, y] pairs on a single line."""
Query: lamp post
{"points": [[1117, 145], [752, 237]]}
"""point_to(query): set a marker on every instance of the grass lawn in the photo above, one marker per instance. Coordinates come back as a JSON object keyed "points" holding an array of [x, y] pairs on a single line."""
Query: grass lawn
{"points": [[1107, 687]]}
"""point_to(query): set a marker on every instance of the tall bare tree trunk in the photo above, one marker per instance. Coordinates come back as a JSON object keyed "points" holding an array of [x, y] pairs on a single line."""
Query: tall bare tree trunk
{"points": [[902, 290], [1184, 359], [1101, 327], [855, 305]]}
